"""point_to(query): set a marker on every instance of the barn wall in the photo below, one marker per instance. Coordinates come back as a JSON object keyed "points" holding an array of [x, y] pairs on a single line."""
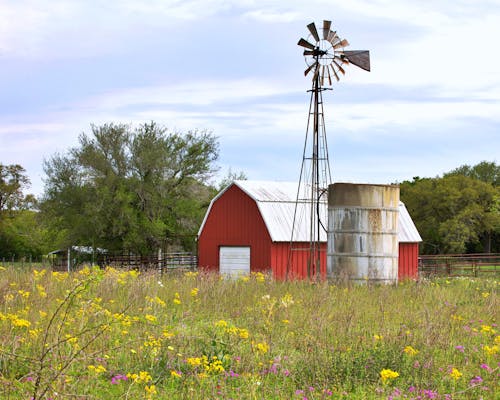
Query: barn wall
{"points": [[234, 220], [408, 261], [279, 260]]}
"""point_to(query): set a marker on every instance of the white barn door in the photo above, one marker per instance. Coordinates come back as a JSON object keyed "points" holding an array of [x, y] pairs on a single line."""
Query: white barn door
{"points": [[234, 261]]}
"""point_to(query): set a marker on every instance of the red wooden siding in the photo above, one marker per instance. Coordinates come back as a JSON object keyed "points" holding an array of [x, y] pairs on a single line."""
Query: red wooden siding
{"points": [[408, 261], [234, 220], [279, 260]]}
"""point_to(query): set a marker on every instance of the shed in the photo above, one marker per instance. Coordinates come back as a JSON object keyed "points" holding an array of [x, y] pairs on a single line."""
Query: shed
{"points": [[248, 226]]}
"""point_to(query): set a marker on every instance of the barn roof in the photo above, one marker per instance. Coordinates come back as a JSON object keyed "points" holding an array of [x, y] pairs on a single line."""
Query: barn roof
{"points": [[276, 203]]}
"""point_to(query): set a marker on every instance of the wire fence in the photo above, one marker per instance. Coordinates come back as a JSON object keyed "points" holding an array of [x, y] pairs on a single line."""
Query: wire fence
{"points": [[471, 265]]}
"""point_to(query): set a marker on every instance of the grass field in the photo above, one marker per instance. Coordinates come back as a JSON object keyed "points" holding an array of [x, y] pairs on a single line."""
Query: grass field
{"points": [[111, 334]]}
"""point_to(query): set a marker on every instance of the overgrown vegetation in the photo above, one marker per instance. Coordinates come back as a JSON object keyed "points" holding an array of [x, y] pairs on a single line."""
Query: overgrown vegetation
{"points": [[112, 334]]}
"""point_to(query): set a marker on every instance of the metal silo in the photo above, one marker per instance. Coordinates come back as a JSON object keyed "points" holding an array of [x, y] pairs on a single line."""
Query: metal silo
{"points": [[362, 232]]}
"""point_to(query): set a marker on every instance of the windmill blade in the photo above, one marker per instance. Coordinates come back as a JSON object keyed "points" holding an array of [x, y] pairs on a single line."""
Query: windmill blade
{"points": [[329, 76], [360, 58], [310, 68], [326, 28], [342, 71], [342, 43], [332, 37], [313, 30], [335, 73], [323, 75], [304, 43], [308, 52]]}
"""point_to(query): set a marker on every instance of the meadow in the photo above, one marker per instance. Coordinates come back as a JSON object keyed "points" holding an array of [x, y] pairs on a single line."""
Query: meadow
{"points": [[115, 334]]}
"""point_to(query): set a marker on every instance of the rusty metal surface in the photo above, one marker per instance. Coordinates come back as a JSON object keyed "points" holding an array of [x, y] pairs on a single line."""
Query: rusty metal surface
{"points": [[360, 58], [363, 232]]}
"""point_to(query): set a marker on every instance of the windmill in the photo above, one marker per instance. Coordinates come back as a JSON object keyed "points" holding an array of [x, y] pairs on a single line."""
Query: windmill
{"points": [[325, 56]]}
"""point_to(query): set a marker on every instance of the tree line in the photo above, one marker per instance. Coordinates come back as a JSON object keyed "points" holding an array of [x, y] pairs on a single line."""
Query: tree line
{"points": [[135, 190]]}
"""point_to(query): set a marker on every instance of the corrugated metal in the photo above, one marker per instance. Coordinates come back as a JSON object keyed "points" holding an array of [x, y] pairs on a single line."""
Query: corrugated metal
{"points": [[234, 220], [234, 260], [407, 229], [408, 261], [279, 260]]}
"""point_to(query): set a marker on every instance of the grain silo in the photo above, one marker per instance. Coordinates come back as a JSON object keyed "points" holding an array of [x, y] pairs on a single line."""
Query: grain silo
{"points": [[363, 232]]}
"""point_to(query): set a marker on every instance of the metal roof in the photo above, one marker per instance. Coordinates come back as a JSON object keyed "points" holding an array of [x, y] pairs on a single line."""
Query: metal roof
{"points": [[276, 203]]}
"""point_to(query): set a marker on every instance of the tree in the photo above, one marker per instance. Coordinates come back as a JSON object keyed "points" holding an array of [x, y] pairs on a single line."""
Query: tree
{"points": [[130, 189], [13, 182], [454, 214], [20, 232], [485, 171]]}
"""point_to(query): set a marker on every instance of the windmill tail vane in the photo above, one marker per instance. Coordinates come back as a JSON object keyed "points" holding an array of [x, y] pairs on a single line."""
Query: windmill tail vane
{"points": [[325, 56]]}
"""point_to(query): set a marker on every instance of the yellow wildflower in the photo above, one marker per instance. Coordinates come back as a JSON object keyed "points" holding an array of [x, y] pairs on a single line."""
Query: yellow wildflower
{"points": [[175, 374], [410, 351], [378, 337], [491, 350], [455, 374], [150, 391], [387, 375], [97, 370], [194, 361], [194, 292], [177, 298], [150, 318], [262, 347], [487, 329]]}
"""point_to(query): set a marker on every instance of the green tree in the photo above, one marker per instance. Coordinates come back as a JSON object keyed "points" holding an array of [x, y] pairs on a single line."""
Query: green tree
{"points": [[485, 171], [454, 214], [13, 182], [131, 189], [20, 232]]}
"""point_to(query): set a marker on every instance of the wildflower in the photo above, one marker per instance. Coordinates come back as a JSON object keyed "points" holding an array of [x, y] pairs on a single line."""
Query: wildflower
{"points": [[486, 367], [177, 298], [410, 351], [151, 318], [221, 323], [477, 380], [194, 292], [490, 350], [194, 361], [262, 347], [378, 337], [455, 374], [485, 295], [243, 333], [150, 390], [175, 374], [97, 370], [117, 378], [460, 348], [487, 329], [387, 375], [430, 394]]}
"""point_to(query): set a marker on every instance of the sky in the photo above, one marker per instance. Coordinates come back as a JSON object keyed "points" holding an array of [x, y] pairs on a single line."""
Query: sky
{"points": [[430, 103]]}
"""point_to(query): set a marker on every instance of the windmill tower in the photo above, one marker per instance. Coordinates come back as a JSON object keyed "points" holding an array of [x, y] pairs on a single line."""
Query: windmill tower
{"points": [[325, 58]]}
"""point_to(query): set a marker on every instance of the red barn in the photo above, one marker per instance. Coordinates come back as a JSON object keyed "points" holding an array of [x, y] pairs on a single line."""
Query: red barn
{"points": [[248, 226]]}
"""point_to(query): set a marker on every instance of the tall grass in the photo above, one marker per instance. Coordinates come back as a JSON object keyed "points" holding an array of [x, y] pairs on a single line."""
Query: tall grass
{"points": [[111, 334]]}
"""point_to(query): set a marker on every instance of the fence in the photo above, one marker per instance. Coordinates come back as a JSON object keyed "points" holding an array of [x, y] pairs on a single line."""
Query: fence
{"points": [[167, 262], [472, 265]]}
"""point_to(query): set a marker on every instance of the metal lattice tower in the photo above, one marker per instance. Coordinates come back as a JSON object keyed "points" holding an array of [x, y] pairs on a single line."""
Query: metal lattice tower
{"points": [[325, 58]]}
